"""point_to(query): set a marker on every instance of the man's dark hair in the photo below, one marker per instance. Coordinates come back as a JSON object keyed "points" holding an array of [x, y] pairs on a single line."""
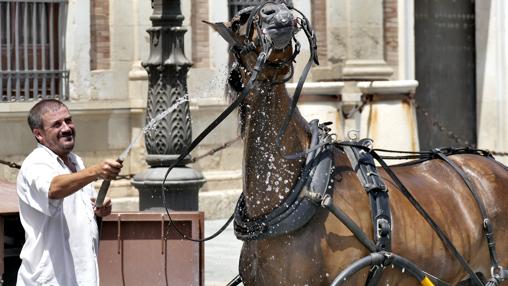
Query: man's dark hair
{"points": [[40, 108]]}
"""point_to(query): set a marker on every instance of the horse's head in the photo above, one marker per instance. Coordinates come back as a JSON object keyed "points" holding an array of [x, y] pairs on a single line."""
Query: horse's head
{"points": [[276, 22], [261, 39]]}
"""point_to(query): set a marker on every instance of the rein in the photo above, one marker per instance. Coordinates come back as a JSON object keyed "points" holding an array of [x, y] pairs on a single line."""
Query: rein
{"points": [[259, 63], [313, 58]]}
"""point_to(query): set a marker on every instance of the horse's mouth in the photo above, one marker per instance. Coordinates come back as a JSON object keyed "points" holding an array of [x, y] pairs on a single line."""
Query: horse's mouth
{"points": [[280, 34], [285, 26]]}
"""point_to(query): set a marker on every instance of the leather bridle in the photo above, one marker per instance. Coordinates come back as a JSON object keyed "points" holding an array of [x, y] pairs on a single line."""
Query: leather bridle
{"points": [[239, 49]]}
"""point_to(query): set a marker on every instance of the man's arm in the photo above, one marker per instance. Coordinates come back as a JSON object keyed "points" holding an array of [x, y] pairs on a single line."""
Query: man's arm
{"points": [[64, 185]]}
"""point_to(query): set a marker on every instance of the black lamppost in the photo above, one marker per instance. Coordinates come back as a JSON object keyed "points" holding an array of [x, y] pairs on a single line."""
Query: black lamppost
{"points": [[167, 69]]}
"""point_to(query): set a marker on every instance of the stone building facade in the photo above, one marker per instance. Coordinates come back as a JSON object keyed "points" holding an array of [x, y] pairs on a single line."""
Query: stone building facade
{"points": [[366, 47]]}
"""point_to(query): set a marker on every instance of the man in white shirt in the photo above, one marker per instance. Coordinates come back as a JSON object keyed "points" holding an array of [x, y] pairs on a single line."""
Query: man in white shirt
{"points": [[57, 203]]}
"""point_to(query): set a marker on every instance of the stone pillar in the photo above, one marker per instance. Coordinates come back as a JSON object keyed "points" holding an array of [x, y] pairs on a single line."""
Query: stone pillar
{"points": [[364, 41], [167, 69], [321, 100], [389, 116], [137, 74], [492, 71]]}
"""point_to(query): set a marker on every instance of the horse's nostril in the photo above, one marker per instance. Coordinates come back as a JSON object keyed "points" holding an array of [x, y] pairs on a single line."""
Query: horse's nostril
{"points": [[267, 11]]}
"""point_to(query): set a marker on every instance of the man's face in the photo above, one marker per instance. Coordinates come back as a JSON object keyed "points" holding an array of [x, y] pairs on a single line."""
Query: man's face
{"points": [[58, 131]]}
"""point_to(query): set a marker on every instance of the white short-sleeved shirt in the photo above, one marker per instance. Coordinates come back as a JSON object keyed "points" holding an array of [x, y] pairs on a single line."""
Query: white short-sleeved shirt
{"points": [[61, 235]]}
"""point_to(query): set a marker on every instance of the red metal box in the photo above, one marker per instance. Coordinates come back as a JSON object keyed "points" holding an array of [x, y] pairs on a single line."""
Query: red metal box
{"points": [[140, 248]]}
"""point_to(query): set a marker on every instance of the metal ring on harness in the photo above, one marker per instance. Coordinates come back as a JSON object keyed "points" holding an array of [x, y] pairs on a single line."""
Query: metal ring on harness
{"points": [[497, 272]]}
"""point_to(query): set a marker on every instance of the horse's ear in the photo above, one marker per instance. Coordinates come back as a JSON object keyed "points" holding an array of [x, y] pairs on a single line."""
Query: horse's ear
{"points": [[212, 25], [225, 31]]}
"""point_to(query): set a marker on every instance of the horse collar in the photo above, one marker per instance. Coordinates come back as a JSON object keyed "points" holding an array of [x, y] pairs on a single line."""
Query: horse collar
{"points": [[297, 209]]}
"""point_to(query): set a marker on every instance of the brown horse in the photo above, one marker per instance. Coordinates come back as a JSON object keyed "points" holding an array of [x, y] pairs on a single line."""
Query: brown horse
{"points": [[317, 252]]}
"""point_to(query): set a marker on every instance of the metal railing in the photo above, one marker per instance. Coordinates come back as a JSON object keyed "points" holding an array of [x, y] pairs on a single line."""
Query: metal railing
{"points": [[32, 50]]}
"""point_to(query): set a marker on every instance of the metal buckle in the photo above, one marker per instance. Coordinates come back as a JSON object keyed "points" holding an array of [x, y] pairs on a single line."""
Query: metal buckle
{"points": [[388, 258], [497, 272], [383, 228]]}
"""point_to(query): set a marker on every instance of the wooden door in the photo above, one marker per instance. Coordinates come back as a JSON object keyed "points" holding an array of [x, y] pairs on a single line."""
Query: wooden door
{"points": [[445, 67]]}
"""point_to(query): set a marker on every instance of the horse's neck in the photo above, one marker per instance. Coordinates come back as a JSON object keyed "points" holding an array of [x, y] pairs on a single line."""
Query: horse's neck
{"points": [[268, 177]]}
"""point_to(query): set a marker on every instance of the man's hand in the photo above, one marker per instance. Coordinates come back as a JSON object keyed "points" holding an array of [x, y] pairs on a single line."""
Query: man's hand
{"points": [[108, 169], [103, 211], [64, 185]]}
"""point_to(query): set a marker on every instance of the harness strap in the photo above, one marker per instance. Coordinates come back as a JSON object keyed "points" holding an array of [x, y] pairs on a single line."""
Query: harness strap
{"points": [[378, 260], [375, 274], [313, 58], [250, 21], [487, 225], [327, 203], [365, 168], [447, 242], [236, 281]]}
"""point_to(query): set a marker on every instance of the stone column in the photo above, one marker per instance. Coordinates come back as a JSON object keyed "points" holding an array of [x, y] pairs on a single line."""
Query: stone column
{"points": [[167, 69], [362, 31], [137, 74], [389, 116], [492, 71], [321, 100]]}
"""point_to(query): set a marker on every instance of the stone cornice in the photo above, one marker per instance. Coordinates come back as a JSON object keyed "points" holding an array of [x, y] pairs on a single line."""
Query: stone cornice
{"points": [[388, 87], [318, 88]]}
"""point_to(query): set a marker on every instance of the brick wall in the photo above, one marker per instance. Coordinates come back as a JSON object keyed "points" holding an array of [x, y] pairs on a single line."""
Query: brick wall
{"points": [[200, 32], [319, 25], [99, 35], [391, 34]]}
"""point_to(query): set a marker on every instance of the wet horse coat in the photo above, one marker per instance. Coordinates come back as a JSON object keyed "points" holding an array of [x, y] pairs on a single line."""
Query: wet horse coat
{"points": [[316, 253]]}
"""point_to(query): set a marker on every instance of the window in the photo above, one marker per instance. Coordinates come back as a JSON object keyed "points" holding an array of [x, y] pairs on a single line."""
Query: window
{"points": [[32, 50], [237, 5]]}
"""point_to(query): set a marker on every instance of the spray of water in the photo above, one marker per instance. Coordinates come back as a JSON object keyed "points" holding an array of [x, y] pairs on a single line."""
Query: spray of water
{"points": [[214, 88], [206, 90], [152, 125]]}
